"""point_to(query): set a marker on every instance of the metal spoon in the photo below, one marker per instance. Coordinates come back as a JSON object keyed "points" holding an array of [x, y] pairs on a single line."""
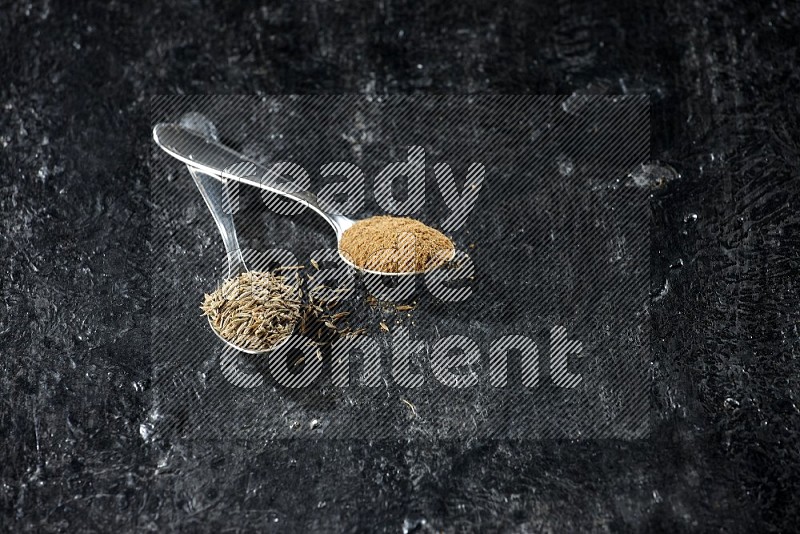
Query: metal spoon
{"points": [[214, 159], [213, 192], [211, 164]]}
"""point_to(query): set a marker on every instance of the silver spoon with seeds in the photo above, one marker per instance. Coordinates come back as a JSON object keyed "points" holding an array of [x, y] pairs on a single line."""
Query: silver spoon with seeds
{"points": [[251, 311]]}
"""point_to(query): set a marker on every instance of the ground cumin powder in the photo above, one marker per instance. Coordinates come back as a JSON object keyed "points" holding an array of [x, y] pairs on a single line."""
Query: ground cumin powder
{"points": [[395, 245]]}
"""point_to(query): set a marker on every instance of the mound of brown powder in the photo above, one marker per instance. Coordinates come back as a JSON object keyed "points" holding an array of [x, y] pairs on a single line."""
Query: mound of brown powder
{"points": [[395, 245]]}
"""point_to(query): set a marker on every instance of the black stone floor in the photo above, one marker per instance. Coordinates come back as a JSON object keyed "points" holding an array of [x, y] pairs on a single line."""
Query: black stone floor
{"points": [[75, 82]]}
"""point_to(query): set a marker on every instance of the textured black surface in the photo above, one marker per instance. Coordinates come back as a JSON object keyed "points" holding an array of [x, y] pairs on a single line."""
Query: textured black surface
{"points": [[75, 362]]}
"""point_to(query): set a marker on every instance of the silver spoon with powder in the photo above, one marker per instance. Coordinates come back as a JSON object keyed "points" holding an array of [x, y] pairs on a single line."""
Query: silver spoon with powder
{"points": [[210, 157]]}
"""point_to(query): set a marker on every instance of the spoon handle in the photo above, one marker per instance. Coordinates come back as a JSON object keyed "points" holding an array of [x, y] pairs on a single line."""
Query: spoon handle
{"points": [[214, 193], [222, 162]]}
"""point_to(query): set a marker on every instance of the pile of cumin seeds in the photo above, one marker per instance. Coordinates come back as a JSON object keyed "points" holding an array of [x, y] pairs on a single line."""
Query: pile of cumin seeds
{"points": [[258, 310], [254, 310]]}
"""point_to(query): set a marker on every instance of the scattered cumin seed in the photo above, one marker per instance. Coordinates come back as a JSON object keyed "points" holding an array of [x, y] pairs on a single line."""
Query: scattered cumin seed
{"points": [[413, 408], [339, 316], [357, 332]]}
